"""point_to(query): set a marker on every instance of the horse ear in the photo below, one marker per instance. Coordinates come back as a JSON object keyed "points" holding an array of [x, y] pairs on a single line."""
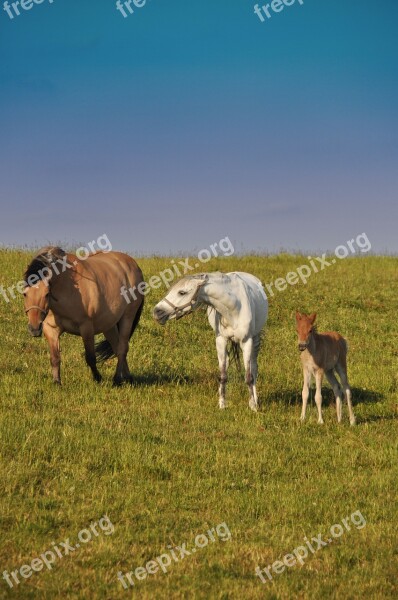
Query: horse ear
{"points": [[298, 316], [312, 317]]}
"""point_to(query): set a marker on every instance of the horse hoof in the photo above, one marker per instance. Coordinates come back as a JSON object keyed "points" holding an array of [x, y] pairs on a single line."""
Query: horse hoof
{"points": [[353, 423], [253, 406], [57, 382]]}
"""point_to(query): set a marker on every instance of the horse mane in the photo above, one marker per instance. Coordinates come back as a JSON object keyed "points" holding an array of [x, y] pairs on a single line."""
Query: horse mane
{"points": [[224, 277], [44, 259]]}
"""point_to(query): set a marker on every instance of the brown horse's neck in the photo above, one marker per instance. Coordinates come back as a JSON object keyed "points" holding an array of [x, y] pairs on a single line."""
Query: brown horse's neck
{"points": [[59, 281]]}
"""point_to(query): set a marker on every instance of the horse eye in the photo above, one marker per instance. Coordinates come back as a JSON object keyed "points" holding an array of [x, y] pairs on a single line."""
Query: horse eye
{"points": [[182, 292]]}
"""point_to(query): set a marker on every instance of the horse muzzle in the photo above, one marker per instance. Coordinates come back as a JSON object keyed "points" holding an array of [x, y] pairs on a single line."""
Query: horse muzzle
{"points": [[302, 347], [160, 315], [35, 331]]}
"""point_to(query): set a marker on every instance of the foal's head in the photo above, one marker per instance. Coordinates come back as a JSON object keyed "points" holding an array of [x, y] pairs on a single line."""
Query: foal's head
{"points": [[181, 299], [305, 327], [36, 304]]}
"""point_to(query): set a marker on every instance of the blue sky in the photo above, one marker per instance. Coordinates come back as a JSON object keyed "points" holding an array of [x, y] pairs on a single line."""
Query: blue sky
{"points": [[190, 121]]}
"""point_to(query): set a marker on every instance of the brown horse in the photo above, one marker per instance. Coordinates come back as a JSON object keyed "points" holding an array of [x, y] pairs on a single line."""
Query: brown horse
{"points": [[65, 293], [322, 354]]}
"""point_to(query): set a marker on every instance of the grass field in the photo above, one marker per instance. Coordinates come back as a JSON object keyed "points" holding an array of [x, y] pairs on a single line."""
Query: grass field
{"points": [[165, 464]]}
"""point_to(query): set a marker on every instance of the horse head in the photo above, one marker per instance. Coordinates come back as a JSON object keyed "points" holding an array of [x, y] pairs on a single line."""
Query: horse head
{"points": [[37, 278], [182, 299]]}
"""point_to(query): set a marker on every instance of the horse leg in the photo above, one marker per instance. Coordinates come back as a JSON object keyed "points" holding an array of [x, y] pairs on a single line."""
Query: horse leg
{"points": [[52, 335], [221, 345], [256, 349], [112, 335], [87, 333], [341, 369], [305, 392], [122, 370], [330, 376], [247, 349], [318, 394]]}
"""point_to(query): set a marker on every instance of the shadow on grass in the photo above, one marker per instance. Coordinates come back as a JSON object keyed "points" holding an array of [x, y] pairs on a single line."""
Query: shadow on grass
{"points": [[376, 419], [150, 378], [287, 397], [293, 397], [362, 396]]}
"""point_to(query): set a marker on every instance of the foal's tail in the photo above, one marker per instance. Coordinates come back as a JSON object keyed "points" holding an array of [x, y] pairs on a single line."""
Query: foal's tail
{"points": [[233, 354], [103, 349]]}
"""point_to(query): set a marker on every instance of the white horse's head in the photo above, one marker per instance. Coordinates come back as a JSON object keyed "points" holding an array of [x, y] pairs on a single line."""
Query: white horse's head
{"points": [[181, 300]]}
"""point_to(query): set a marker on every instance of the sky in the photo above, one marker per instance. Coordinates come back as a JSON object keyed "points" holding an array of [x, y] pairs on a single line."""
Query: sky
{"points": [[192, 120]]}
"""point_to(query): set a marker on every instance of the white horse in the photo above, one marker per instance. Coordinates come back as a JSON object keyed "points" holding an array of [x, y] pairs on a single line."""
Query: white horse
{"points": [[237, 311]]}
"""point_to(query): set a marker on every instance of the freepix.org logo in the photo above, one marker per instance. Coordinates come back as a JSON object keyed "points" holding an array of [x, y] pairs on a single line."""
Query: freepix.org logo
{"points": [[61, 265], [183, 267], [58, 550], [300, 554], [13, 9], [266, 11], [127, 7]]}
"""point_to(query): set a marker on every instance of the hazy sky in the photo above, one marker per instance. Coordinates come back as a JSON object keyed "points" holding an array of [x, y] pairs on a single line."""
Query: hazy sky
{"points": [[192, 120]]}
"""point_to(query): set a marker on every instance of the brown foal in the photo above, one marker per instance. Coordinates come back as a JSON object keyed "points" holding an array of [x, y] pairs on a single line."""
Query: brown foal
{"points": [[323, 354]]}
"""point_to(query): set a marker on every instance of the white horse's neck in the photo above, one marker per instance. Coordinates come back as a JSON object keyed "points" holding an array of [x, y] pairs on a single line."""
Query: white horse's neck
{"points": [[219, 295]]}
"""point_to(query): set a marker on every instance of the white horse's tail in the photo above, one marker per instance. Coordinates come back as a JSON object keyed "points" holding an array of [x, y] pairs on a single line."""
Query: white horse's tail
{"points": [[234, 354]]}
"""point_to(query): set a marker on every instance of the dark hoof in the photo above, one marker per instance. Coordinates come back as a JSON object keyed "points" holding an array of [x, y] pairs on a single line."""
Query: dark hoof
{"points": [[118, 381], [97, 378]]}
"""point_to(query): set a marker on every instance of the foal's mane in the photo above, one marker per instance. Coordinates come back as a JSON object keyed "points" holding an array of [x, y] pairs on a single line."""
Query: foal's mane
{"points": [[45, 258]]}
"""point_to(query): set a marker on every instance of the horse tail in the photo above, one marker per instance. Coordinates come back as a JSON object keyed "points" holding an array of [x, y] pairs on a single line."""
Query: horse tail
{"points": [[257, 341], [103, 349], [137, 318], [233, 354]]}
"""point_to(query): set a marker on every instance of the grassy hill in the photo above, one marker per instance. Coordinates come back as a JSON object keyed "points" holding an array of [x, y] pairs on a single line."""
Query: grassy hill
{"points": [[165, 464]]}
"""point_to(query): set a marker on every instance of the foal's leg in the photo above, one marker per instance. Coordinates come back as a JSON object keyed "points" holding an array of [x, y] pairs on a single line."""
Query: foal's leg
{"points": [[341, 369], [87, 333], [52, 335], [330, 376], [318, 394], [305, 392], [221, 345], [248, 349]]}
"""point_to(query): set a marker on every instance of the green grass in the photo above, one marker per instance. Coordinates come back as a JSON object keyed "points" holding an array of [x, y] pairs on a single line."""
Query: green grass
{"points": [[166, 464]]}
